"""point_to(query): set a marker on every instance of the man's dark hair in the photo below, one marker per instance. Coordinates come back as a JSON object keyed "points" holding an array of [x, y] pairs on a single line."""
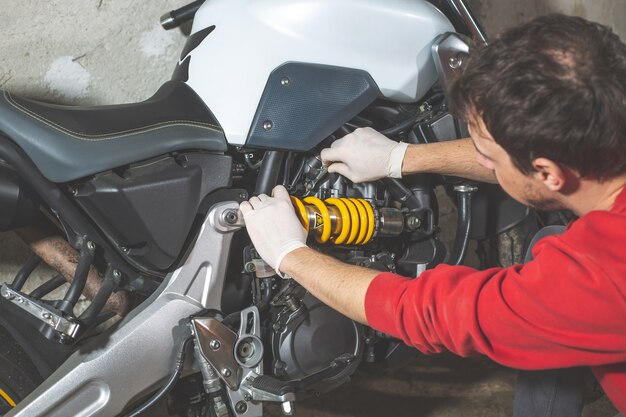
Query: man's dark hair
{"points": [[554, 87]]}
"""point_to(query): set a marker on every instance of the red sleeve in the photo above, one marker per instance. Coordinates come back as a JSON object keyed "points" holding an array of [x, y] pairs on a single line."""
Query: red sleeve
{"points": [[559, 310]]}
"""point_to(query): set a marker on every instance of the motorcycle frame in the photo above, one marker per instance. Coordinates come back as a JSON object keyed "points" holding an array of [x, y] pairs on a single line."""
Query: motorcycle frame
{"points": [[114, 369]]}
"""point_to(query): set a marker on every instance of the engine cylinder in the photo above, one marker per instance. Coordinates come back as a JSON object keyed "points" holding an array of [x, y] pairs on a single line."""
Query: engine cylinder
{"points": [[17, 206]]}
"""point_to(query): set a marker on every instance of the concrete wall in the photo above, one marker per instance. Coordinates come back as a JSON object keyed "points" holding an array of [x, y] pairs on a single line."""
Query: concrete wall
{"points": [[499, 15]]}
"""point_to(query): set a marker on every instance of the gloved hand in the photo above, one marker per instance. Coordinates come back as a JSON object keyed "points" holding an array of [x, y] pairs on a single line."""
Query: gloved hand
{"points": [[365, 155], [273, 226]]}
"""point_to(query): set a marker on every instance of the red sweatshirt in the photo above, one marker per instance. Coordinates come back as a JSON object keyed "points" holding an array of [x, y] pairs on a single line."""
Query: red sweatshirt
{"points": [[565, 308]]}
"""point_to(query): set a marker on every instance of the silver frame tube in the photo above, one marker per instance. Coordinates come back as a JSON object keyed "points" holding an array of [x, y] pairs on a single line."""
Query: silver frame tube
{"points": [[136, 356]]}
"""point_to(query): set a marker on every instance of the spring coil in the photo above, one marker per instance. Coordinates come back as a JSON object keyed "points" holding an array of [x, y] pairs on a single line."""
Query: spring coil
{"points": [[343, 221]]}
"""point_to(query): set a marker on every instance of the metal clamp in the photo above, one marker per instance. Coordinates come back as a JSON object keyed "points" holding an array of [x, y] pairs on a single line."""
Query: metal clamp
{"points": [[44, 313]]}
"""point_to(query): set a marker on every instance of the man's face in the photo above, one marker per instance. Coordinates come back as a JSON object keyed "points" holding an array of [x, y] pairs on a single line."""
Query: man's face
{"points": [[525, 188]]}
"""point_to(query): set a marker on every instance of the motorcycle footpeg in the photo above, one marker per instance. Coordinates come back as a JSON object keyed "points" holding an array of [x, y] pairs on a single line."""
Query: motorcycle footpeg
{"points": [[273, 386]]}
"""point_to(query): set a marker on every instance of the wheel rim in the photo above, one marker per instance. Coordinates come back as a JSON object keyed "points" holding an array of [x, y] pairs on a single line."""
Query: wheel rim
{"points": [[6, 401]]}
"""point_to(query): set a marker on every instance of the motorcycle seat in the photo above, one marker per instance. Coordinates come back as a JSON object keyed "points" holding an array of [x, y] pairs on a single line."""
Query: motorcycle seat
{"points": [[71, 142]]}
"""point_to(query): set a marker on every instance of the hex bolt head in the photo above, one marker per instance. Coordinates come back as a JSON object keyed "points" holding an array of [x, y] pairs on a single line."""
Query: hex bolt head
{"points": [[455, 62], [241, 407], [268, 125], [413, 222], [226, 372], [231, 217], [215, 344]]}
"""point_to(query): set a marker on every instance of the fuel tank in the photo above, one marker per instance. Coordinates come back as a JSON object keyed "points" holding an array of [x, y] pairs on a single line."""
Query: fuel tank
{"points": [[383, 47]]}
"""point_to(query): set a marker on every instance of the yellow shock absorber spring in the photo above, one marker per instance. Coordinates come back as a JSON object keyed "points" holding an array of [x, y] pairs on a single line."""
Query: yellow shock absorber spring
{"points": [[349, 221]]}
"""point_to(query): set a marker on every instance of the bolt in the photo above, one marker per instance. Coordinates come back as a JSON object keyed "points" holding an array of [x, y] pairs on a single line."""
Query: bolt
{"points": [[413, 222], [46, 316], [231, 217], [455, 62], [243, 196], [215, 344], [267, 125], [284, 81], [250, 267], [91, 246], [226, 372], [117, 274], [74, 190], [19, 300], [8, 296], [287, 408], [241, 407]]}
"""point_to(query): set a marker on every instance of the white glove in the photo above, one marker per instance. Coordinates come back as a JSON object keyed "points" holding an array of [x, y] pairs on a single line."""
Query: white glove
{"points": [[365, 155], [273, 226]]}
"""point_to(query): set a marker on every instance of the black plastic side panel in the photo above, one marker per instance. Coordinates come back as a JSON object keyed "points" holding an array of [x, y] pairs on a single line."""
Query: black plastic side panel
{"points": [[304, 103], [149, 208]]}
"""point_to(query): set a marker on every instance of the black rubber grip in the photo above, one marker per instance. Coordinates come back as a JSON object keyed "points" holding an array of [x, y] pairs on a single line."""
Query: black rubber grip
{"points": [[272, 385]]}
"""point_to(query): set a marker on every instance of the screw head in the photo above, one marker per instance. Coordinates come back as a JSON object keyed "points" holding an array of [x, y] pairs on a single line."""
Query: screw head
{"points": [[226, 372], [117, 274], [91, 246], [8, 296], [231, 217], [455, 62], [19, 300], [285, 81], [46, 316], [241, 407], [215, 344], [268, 125], [413, 222], [243, 196]]}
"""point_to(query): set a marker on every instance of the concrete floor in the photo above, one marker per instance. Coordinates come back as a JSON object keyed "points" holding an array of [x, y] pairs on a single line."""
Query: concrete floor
{"points": [[112, 51]]}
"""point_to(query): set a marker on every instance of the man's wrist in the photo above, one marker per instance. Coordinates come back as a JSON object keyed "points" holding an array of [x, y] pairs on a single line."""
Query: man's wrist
{"points": [[289, 263]]}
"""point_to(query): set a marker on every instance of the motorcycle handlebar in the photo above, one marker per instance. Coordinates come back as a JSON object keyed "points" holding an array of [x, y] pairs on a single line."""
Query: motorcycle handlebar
{"points": [[177, 17]]}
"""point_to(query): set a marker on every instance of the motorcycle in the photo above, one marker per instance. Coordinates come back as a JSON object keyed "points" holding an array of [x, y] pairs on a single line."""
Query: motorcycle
{"points": [[136, 207]]}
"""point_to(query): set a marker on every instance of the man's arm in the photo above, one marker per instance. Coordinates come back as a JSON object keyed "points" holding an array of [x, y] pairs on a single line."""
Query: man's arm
{"points": [[366, 155], [336, 284], [454, 157]]}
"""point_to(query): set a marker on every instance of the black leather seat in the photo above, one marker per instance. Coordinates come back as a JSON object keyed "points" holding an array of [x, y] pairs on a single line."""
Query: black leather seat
{"points": [[67, 143]]}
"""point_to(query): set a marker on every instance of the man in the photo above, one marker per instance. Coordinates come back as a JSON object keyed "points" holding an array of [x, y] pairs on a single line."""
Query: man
{"points": [[546, 108]]}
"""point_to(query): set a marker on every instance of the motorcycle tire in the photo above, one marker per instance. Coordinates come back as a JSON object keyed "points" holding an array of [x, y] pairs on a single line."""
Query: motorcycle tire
{"points": [[18, 374]]}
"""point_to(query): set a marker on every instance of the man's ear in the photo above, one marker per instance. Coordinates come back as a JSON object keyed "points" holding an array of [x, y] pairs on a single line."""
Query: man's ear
{"points": [[551, 174]]}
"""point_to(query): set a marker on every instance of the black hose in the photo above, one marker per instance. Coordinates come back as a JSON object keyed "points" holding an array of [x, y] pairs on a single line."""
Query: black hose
{"points": [[401, 193], [268, 174], [464, 222], [168, 385]]}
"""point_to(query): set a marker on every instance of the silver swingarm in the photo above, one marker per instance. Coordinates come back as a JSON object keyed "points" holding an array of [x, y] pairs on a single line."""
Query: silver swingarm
{"points": [[133, 359]]}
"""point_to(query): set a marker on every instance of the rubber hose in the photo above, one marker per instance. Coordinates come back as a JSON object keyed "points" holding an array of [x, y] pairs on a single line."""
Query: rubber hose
{"points": [[464, 222], [168, 385], [268, 174]]}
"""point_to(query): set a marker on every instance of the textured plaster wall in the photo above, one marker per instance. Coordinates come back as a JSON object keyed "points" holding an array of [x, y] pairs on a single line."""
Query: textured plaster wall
{"points": [[86, 51], [499, 15]]}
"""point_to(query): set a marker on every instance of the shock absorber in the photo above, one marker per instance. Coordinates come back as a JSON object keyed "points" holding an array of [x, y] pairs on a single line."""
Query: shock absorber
{"points": [[347, 221]]}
